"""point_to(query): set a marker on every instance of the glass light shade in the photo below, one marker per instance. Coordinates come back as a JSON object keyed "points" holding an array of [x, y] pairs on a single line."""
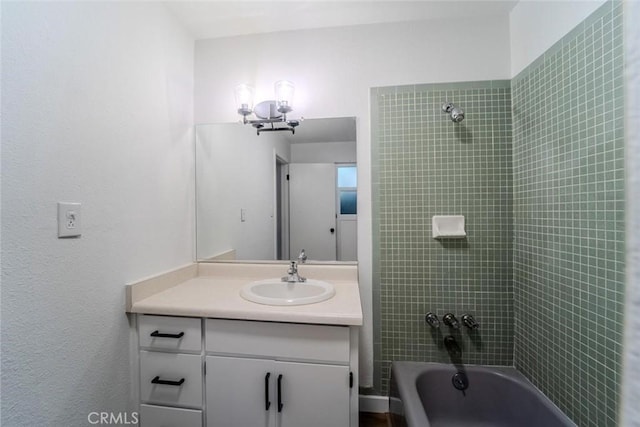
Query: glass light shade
{"points": [[244, 98], [284, 95]]}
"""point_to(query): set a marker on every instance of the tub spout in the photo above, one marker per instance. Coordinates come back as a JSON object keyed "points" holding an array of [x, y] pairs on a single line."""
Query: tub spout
{"points": [[450, 320], [452, 347], [432, 320], [469, 321]]}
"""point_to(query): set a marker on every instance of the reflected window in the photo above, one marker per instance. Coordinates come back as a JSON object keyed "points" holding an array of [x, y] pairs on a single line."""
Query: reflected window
{"points": [[348, 202], [347, 176], [347, 184]]}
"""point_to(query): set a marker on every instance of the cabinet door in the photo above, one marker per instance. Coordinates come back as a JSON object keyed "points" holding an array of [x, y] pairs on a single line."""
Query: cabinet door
{"points": [[312, 395], [236, 394]]}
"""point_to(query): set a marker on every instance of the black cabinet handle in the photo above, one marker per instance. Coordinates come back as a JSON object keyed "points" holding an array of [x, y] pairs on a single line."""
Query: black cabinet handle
{"points": [[157, 380], [157, 334], [332, 230], [280, 405], [267, 404]]}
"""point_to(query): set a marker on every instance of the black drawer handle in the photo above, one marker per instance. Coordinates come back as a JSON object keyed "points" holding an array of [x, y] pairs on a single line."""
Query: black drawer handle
{"points": [[157, 380], [280, 405], [157, 334], [267, 403]]}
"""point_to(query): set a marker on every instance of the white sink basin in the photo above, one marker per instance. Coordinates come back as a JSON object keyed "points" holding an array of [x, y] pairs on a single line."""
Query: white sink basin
{"points": [[277, 292]]}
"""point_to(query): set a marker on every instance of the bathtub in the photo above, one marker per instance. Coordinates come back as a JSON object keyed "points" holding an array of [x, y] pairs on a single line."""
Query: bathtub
{"points": [[428, 395]]}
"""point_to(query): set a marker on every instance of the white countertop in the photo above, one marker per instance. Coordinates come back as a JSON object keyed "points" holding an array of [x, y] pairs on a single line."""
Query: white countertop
{"points": [[214, 291]]}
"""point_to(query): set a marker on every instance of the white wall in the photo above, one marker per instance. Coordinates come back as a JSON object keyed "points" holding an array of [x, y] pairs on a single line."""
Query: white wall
{"points": [[631, 377], [97, 108], [236, 170], [537, 25], [333, 70]]}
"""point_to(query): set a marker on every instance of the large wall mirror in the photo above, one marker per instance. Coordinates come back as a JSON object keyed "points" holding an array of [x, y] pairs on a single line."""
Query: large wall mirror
{"points": [[267, 197]]}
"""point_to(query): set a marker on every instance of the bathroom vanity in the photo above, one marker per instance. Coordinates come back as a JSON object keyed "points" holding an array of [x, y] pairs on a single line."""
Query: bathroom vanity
{"points": [[205, 356]]}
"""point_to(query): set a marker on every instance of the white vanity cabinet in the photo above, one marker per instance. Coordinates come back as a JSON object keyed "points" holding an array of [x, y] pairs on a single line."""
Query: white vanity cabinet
{"points": [[242, 373], [268, 374]]}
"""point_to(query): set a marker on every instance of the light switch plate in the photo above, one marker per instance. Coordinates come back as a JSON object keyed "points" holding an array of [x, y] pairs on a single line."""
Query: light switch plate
{"points": [[69, 221]]}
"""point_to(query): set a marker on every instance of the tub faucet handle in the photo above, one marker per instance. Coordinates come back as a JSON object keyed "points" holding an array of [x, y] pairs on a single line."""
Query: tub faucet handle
{"points": [[469, 321], [450, 320], [432, 320]]}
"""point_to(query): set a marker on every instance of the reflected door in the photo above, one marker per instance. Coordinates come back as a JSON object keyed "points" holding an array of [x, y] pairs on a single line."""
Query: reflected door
{"points": [[312, 188]]}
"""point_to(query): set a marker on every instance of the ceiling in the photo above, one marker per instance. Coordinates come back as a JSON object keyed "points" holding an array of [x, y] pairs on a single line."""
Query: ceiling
{"points": [[213, 19]]}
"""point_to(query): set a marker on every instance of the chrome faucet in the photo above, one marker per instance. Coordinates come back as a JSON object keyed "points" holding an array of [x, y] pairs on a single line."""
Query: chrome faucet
{"points": [[302, 258], [292, 274]]}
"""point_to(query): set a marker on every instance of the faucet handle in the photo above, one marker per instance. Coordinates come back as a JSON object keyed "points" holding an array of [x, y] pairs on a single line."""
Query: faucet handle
{"points": [[302, 258], [450, 320], [469, 321], [432, 320]]}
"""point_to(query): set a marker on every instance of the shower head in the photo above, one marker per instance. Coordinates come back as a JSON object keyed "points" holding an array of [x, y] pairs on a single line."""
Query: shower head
{"points": [[456, 113]]}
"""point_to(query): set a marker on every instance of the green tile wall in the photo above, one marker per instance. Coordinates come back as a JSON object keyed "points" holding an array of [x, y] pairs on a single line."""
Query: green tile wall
{"points": [[423, 165], [568, 201]]}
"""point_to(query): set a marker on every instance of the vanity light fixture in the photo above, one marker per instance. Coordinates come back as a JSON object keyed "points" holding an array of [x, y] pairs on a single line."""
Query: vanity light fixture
{"points": [[271, 116]]}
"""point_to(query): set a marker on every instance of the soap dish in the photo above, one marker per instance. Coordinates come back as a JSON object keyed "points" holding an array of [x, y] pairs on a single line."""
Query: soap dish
{"points": [[448, 227]]}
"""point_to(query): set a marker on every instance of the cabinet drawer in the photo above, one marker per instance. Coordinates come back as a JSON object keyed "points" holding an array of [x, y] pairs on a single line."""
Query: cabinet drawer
{"points": [[170, 333], [173, 367], [162, 416], [278, 340]]}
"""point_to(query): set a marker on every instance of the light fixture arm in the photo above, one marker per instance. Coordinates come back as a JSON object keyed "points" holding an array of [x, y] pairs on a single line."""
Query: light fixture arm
{"points": [[270, 119], [275, 129]]}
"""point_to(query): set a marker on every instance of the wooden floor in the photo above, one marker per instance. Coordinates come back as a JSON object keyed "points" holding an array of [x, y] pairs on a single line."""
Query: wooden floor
{"points": [[369, 419]]}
